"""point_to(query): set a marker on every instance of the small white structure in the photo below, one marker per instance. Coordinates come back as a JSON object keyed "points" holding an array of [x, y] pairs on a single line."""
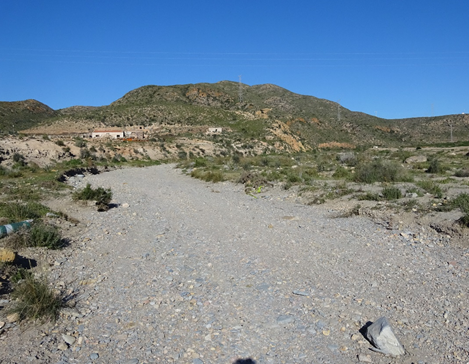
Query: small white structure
{"points": [[109, 133]]}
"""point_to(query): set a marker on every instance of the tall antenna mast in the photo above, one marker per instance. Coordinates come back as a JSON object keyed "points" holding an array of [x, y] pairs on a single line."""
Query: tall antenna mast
{"points": [[240, 90]]}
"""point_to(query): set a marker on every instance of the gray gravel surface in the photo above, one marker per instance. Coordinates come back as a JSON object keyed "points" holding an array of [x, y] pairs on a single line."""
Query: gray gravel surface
{"points": [[188, 272]]}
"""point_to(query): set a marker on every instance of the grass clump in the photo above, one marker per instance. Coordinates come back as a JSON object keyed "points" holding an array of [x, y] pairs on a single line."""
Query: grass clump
{"points": [[391, 193], [35, 300], [380, 171], [16, 212], [39, 235], [435, 167], [431, 187], [208, 176], [101, 195]]}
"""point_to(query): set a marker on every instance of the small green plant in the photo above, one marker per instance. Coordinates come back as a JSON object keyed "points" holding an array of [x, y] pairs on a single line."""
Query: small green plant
{"points": [[16, 212], [391, 193], [380, 171], [47, 236], [60, 143], [200, 162], [341, 172], [80, 143], [431, 187], [35, 300], [368, 196], [102, 196], [435, 167], [19, 159], [462, 173]]}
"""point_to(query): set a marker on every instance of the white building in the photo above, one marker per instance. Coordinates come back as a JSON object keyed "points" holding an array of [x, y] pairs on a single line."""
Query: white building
{"points": [[108, 133]]}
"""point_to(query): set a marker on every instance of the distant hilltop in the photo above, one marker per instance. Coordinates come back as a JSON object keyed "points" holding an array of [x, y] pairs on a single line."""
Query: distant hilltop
{"points": [[262, 112]]}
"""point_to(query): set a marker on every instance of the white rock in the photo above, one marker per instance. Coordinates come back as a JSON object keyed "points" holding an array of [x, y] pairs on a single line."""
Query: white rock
{"points": [[125, 205], [382, 337], [68, 339]]}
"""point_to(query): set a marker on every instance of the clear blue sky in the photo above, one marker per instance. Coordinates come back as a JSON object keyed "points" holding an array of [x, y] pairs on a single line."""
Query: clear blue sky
{"points": [[391, 58]]}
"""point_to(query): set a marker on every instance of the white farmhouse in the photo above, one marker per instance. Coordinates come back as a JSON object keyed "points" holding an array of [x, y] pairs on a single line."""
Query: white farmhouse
{"points": [[108, 133]]}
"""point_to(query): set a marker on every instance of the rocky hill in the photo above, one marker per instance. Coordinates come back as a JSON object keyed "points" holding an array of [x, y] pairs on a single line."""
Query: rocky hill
{"points": [[255, 112]]}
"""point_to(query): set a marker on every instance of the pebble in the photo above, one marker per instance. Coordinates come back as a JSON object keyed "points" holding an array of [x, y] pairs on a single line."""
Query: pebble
{"points": [[68, 339]]}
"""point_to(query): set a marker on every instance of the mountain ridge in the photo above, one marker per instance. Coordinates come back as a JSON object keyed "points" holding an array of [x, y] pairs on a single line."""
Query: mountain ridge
{"points": [[248, 110]]}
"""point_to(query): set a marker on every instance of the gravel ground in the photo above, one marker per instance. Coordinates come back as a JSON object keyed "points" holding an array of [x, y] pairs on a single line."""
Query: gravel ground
{"points": [[188, 272]]}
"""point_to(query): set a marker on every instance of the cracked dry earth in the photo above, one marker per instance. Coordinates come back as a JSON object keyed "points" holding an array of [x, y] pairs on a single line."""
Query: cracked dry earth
{"points": [[182, 271]]}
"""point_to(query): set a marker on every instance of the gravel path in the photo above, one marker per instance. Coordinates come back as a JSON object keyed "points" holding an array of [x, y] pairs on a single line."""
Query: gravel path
{"points": [[190, 272]]}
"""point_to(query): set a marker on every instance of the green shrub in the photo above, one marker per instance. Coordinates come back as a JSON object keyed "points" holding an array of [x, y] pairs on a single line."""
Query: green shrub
{"points": [[16, 212], [208, 176], [431, 187], [341, 172], [369, 196], [60, 143], [380, 171], [100, 195], [462, 173], [35, 300], [18, 158], [47, 236], [435, 167], [80, 143], [200, 162], [391, 193], [461, 201]]}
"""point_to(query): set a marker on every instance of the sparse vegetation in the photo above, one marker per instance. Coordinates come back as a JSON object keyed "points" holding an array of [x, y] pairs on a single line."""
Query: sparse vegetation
{"points": [[102, 196], [34, 299], [380, 171]]}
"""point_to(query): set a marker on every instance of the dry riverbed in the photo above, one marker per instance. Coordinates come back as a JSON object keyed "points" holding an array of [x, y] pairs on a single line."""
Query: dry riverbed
{"points": [[184, 271]]}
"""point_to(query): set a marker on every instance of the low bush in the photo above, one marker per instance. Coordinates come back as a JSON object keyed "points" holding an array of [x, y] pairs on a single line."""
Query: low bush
{"points": [[341, 172], [102, 196], [35, 300], [431, 187], [39, 235], [16, 212], [462, 173], [380, 171], [369, 196], [435, 167], [208, 176], [391, 193]]}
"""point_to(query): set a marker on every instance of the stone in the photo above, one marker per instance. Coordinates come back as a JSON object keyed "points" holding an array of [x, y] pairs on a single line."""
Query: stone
{"points": [[285, 319], [13, 317], [301, 293], [125, 205], [364, 358], [68, 339], [382, 337], [7, 256], [94, 356], [62, 346]]}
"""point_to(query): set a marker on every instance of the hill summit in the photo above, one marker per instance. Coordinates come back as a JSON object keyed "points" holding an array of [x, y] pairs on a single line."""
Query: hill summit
{"points": [[250, 112]]}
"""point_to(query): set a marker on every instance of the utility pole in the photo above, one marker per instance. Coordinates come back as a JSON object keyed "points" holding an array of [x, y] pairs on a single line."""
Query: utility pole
{"points": [[338, 110], [240, 90]]}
